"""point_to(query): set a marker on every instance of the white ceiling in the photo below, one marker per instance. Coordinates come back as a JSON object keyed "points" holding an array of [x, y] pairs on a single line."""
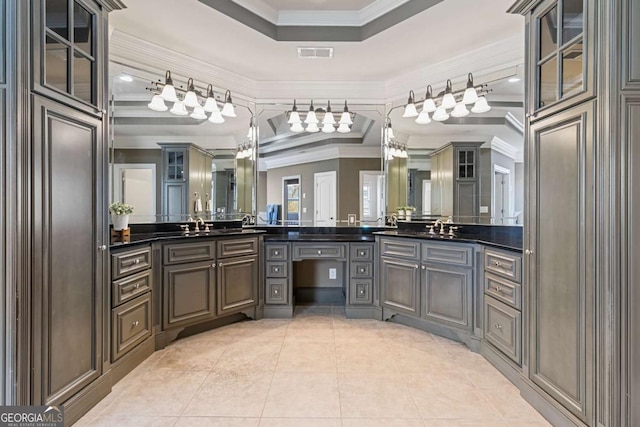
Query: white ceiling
{"points": [[318, 4], [451, 28]]}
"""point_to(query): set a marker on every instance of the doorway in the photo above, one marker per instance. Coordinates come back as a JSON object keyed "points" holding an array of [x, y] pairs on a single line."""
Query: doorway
{"points": [[426, 197], [291, 200], [501, 190], [325, 206], [136, 186], [371, 196]]}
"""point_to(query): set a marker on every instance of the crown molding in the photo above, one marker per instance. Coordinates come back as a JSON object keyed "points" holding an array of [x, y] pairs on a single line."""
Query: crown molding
{"points": [[260, 8], [502, 147], [328, 152], [379, 8], [483, 61], [146, 56], [152, 141]]}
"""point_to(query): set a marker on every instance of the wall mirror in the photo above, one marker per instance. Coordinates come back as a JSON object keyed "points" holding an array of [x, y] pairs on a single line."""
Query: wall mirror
{"points": [[468, 168], [324, 176], [175, 167]]}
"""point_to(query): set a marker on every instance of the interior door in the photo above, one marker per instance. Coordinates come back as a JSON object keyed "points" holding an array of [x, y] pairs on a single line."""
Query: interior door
{"points": [[137, 187], [370, 196], [498, 198], [325, 199], [426, 197]]}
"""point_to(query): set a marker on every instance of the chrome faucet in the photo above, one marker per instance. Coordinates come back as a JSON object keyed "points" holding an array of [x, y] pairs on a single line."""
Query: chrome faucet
{"points": [[198, 222], [441, 224]]}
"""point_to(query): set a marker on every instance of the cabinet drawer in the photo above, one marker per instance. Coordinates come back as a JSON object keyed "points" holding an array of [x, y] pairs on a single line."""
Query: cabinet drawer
{"points": [[448, 254], [277, 269], [502, 328], [503, 264], [503, 290], [237, 247], [131, 324], [400, 248], [314, 251], [361, 269], [277, 291], [133, 261], [189, 252], [277, 252], [361, 291], [130, 287], [361, 252]]}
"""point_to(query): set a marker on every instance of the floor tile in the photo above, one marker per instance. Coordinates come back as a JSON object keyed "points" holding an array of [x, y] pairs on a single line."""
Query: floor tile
{"points": [[465, 423], [453, 403], [365, 356], [300, 422], [191, 355], [217, 422], [299, 394], [130, 421], [307, 357], [230, 394], [374, 395], [381, 422], [247, 356]]}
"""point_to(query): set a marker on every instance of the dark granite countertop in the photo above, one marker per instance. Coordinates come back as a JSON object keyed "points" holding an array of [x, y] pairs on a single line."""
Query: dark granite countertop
{"points": [[142, 238], [509, 242], [328, 237]]}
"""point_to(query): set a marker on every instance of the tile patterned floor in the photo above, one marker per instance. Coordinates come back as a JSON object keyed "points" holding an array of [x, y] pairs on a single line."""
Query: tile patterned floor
{"points": [[318, 369]]}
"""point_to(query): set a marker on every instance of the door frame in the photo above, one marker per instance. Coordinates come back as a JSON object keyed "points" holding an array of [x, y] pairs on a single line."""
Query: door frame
{"points": [[497, 169], [117, 183], [380, 191], [283, 189], [334, 175]]}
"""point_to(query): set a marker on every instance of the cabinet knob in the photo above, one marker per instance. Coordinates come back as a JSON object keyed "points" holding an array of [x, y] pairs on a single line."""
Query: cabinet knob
{"points": [[424, 267], [498, 326], [276, 269], [361, 292], [362, 270], [213, 265], [498, 289], [528, 252], [137, 286], [136, 323], [416, 266], [276, 292], [276, 253], [319, 252], [136, 261], [361, 253], [497, 263], [102, 247]]}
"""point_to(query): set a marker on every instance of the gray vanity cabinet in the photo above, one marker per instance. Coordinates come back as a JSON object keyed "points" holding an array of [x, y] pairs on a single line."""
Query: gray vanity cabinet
{"points": [[361, 274], [189, 293], [237, 278], [278, 289], [447, 283], [400, 275]]}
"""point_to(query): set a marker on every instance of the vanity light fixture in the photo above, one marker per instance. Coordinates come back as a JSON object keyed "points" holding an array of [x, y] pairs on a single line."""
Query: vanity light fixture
{"points": [[410, 109], [316, 116], [189, 98], [449, 103], [244, 151]]}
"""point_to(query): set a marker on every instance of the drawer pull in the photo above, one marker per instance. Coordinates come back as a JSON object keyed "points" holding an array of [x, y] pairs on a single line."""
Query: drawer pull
{"points": [[276, 269], [416, 266], [361, 292], [136, 323], [319, 252], [498, 326], [137, 286], [498, 263], [362, 270], [498, 289], [213, 265], [361, 253], [137, 261], [276, 292], [424, 267], [276, 252]]}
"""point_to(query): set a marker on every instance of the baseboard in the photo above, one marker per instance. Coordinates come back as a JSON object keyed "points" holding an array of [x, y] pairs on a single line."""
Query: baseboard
{"points": [[429, 326], [278, 312], [87, 398], [128, 362], [555, 413], [506, 366], [352, 312]]}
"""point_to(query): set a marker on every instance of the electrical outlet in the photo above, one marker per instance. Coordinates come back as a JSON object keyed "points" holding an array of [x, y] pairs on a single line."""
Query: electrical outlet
{"points": [[333, 273]]}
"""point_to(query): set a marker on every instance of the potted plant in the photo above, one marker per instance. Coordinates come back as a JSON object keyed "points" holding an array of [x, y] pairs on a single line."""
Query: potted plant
{"points": [[120, 215], [408, 212], [401, 212]]}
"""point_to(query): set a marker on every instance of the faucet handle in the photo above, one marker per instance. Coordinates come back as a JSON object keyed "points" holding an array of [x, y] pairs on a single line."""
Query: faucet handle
{"points": [[452, 231], [185, 228]]}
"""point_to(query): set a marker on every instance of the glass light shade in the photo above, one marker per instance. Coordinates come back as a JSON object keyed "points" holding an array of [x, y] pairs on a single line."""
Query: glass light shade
{"points": [[440, 115], [481, 106], [157, 104], [403, 154], [250, 132], [448, 101], [191, 100], [169, 93], [470, 96], [311, 118], [294, 118], [410, 110], [297, 128], [460, 110], [423, 118], [198, 113], [216, 117], [328, 128], [179, 109], [344, 128], [345, 119], [210, 105], [390, 134], [313, 128], [429, 106], [228, 110], [329, 119]]}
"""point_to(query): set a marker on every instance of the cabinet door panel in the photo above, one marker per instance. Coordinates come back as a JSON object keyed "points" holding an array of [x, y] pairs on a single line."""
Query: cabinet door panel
{"points": [[561, 267], [401, 285], [189, 293], [447, 295], [68, 279], [237, 283]]}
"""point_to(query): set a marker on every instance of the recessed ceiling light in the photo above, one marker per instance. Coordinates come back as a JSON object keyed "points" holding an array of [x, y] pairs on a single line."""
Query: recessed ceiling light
{"points": [[125, 78], [514, 79]]}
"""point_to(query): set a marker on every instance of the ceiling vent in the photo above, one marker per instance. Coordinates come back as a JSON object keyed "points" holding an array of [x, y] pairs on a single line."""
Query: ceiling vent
{"points": [[315, 52]]}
